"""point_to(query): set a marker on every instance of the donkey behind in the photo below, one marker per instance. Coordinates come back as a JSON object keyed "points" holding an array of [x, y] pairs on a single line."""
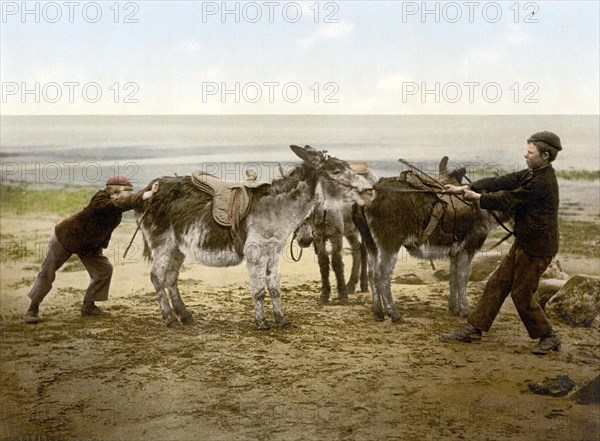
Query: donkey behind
{"points": [[178, 224], [399, 216], [333, 225]]}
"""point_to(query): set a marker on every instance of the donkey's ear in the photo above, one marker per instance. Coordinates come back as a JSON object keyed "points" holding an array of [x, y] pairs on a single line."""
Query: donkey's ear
{"points": [[444, 166], [307, 154], [299, 151]]}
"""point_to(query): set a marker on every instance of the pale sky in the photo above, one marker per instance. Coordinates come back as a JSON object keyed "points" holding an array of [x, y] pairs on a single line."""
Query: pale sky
{"points": [[277, 57]]}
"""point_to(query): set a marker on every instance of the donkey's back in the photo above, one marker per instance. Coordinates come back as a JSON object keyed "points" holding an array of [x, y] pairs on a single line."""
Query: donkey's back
{"points": [[179, 224]]}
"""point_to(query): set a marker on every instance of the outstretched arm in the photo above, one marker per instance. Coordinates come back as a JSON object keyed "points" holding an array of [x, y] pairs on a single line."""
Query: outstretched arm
{"points": [[148, 194], [465, 190], [456, 189]]}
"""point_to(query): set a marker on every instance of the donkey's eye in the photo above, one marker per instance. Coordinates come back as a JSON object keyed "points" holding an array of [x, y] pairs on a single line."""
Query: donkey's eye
{"points": [[337, 171]]}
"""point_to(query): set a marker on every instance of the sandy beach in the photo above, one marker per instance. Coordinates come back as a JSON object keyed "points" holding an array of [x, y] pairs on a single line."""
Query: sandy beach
{"points": [[338, 374]]}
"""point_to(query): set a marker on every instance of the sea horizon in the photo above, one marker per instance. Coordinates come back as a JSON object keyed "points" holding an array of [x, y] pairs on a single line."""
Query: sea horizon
{"points": [[85, 149]]}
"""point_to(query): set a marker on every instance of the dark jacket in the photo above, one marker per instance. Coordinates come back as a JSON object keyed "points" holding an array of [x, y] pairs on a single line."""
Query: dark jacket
{"points": [[88, 230], [533, 196]]}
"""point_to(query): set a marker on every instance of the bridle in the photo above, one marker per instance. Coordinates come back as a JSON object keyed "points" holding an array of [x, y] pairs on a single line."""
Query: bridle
{"points": [[331, 177], [292, 249], [313, 221]]}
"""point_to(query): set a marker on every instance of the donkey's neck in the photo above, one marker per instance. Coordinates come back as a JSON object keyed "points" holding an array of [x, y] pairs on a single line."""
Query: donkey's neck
{"points": [[288, 202]]}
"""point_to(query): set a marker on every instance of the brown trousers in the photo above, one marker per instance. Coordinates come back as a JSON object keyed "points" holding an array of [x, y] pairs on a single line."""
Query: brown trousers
{"points": [[518, 274], [97, 265]]}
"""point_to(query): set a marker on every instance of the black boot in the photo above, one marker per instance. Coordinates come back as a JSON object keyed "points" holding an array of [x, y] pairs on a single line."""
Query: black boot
{"points": [[548, 343], [89, 309], [31, 316]]}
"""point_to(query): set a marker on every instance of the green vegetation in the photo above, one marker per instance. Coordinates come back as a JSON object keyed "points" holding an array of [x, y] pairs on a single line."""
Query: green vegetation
{"points": [[568, 175], [578, 175], [62, 200], [580, 237]]}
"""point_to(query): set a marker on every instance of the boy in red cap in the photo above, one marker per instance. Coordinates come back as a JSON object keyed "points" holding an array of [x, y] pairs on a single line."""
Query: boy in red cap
{"points": [[532, 194], [85, 233]]}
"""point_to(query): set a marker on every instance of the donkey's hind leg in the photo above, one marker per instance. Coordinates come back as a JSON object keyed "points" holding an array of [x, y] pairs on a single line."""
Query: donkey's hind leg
{"points": [[386, 263], [364, 268], [460, 271], [158, 275], [373, 274], [172, 278], [274, 287]]}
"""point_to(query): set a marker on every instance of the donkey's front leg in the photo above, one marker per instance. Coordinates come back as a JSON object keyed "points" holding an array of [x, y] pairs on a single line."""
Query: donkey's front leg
{"points": [[337, 263], [460, 271], [256, 262], [354, 241], [274, 286], [323, 259]]}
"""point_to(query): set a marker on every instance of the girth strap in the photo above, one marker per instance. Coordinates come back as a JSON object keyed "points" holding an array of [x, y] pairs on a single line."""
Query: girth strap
{"points": [[234, 220]]}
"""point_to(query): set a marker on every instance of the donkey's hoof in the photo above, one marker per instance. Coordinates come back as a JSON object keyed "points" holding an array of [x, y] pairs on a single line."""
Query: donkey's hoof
{"points": [[364, 288], [397, 319], [173, 323], [379, 316], [286, 324], [343, 299], [323, 300], [262, 325], [350, 289], [461, 312], [465, 311], [188, 320]]}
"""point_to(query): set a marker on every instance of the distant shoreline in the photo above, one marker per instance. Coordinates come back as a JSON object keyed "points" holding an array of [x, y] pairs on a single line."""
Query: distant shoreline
{"points": [[172, 143]]}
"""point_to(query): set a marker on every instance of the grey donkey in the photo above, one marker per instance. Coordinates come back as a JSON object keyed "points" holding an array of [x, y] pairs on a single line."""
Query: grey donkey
{"points": [[178, 224]]}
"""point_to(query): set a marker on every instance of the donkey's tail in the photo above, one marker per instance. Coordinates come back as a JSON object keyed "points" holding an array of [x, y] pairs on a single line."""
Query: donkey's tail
{"points": [[139, 220], [140, 215], [146, 253], [360, 221]]}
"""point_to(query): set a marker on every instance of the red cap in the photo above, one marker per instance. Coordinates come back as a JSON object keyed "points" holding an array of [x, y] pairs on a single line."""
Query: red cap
{"points": [[119, 180]]}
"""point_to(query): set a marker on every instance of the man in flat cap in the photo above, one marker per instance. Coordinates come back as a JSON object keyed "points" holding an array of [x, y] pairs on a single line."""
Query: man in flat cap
{"points": [[85, 233], [532, 194]]}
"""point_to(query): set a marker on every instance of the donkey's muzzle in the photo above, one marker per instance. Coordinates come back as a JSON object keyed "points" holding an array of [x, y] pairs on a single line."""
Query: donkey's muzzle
{"points": [[367, 194], [304, 242]]}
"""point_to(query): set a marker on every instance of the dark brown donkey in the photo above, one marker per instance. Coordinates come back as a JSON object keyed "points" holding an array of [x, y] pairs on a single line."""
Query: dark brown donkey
{"points": [[409, 212], [330, 224]]}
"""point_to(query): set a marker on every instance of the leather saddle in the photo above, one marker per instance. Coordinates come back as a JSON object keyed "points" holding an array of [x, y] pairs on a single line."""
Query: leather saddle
{"points": [[450, 212], [231, 201]]}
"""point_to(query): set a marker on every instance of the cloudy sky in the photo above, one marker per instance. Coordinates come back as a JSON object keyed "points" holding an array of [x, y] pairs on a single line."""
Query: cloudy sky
{"points": [[272, 57]]}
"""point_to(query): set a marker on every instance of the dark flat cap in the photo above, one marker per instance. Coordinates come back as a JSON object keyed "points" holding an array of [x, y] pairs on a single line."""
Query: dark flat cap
{"points": [[549, 138]]}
